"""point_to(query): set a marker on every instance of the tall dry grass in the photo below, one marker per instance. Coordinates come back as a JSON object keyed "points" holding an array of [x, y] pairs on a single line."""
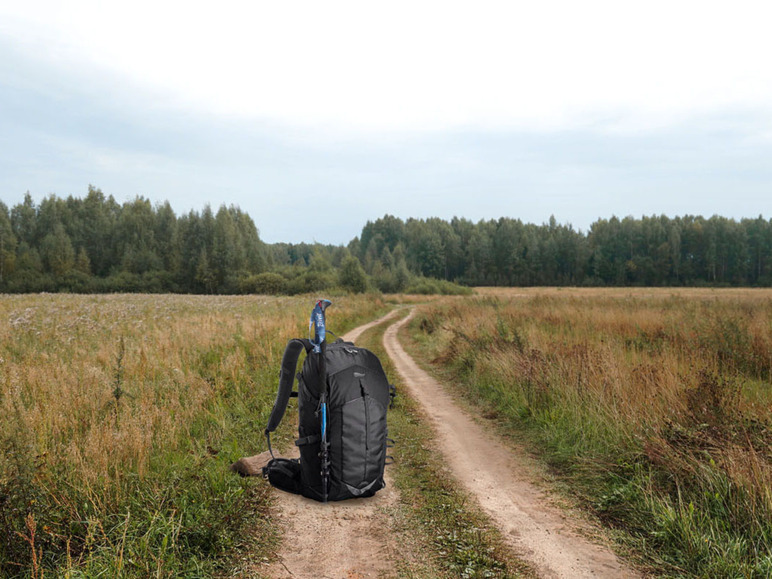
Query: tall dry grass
{"points": [[653, 403], [121, 414]]}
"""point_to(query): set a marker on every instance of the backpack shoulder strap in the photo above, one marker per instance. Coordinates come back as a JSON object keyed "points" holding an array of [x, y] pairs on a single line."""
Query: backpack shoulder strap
{"points": [[289, 363]]}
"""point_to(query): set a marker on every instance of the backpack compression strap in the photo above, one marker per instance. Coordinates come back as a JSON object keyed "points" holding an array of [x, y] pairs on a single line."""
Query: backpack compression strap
{"points": [[289, 364]]}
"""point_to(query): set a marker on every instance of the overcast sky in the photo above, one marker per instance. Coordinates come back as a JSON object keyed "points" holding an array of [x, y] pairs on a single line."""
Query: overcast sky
{"points": [[315, 117]]}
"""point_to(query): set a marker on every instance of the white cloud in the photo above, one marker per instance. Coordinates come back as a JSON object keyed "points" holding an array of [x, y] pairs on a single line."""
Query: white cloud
{"points": [[415, 65], [598, 108]]}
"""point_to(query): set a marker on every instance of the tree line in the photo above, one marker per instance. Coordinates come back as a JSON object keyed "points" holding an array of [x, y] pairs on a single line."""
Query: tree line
{"points": [[95, 244], [650, 251]]}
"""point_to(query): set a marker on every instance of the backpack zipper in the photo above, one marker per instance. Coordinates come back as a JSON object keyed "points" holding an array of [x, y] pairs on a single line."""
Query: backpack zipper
{"points": [[367, 425]]}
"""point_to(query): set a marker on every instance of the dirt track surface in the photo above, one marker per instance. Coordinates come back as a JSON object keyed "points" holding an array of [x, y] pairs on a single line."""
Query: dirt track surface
{"points": [[342, 540], [354, 539], [537, 532]]}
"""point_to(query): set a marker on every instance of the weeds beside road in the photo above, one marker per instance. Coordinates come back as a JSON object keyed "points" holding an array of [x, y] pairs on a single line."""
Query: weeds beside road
{"points": [[653, 406], [121, 414]]}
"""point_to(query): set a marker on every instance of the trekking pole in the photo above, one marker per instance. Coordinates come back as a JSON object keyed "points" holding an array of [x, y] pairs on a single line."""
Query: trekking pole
{"points": [[320, 346], [325, 453]]}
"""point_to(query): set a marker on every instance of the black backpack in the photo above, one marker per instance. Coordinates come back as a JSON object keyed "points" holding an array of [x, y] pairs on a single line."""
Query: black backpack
{"points": [[343, 395]]}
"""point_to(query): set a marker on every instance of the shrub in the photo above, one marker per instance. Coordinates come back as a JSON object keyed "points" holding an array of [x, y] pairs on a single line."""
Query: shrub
{"points": [[264, 283], [428, 286], [310, 281], [351, 276]]}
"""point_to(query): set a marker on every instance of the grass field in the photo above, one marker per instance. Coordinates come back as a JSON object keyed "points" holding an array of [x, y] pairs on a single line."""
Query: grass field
{"points": [[121, 414], [652, 406]]}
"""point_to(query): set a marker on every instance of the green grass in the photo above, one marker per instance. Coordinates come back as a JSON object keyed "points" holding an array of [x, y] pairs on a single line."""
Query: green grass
{"points": [[642, 408], [122, 416]]}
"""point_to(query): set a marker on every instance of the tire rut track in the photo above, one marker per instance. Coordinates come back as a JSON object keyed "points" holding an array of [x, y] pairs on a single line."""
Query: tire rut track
{"points": [[339, 540], [352, 539], [537, 532]]}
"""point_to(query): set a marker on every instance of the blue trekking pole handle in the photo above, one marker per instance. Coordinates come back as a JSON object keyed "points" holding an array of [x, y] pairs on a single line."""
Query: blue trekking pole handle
{"points": [[325, 455], [319, 325]]}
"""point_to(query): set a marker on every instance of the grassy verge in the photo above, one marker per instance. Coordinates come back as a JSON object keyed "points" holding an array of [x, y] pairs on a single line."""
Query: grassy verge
{"points": [[653, 410], [453, 536], [122, 415]]}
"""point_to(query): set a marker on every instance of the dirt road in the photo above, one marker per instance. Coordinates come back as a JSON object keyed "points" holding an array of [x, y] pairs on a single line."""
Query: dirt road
{"points": [[352, 539], [342, 540], [489, 471]]}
